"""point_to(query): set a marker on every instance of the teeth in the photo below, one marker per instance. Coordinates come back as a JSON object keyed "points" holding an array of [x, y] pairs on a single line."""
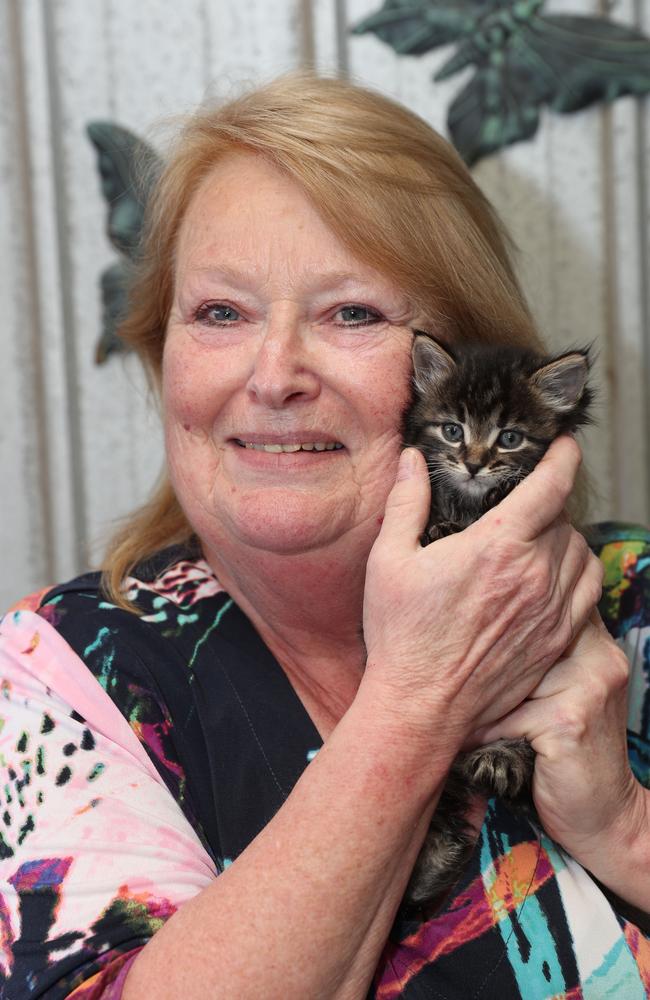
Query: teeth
{"points": [[310, 446]]}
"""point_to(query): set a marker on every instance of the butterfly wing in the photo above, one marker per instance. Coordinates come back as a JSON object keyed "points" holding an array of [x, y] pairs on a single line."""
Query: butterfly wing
{"points": [[589, 58], [499, 106], [115, 288], [127, 168], [416, 26], [563, 61]]}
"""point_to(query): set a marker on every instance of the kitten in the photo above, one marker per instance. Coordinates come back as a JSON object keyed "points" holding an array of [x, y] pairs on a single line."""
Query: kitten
{"points": [[483, 417]]}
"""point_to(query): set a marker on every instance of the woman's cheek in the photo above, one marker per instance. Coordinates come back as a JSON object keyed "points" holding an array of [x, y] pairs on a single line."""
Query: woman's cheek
{"points": [[189, 404], [392, 392], [189, 395], [193, 464]]}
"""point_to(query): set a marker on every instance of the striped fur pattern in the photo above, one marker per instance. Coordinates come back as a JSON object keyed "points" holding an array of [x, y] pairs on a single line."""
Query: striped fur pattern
{"points": [[483, 417]]}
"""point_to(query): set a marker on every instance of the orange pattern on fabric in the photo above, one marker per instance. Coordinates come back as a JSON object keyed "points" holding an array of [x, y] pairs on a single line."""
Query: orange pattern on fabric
{"points": [[512, 882], [475, 911], [640, 948], [36, 638], [30, 603]]}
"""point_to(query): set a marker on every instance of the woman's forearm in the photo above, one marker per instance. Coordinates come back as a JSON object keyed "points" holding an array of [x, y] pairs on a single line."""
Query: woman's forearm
{"points": [[306, 909], [620, 859]]}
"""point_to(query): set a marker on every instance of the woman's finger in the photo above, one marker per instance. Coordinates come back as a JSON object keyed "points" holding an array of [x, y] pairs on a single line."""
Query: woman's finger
{"points": [[407, 506], [541, 497], [592, 670], [586, 593]]}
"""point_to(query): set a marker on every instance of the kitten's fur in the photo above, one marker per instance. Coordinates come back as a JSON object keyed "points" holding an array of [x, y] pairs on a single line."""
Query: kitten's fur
{"points": [[487, 398]]}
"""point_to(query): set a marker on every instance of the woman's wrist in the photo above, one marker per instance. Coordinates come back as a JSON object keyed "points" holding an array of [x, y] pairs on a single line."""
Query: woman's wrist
{"points": [[619, 857], [421, 728]]}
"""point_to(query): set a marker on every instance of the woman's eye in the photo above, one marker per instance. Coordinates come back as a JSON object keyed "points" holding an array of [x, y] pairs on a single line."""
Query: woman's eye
{"points": [[510, 439], [217, 314], [452, 433], [357, 315]]}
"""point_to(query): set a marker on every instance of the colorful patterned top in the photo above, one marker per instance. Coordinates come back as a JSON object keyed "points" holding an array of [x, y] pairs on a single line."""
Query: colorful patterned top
{"points": [[140, 756]]}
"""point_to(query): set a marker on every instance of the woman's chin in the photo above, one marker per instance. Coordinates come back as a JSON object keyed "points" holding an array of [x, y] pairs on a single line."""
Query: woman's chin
{"points": [[285, 524]]}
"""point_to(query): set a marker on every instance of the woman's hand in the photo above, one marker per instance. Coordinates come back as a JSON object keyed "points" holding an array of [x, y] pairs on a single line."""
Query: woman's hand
{"points": [[575, 720], [460, 632], [585, 794]]}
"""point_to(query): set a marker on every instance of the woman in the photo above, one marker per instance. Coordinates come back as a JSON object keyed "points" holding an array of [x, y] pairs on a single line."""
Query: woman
{"points": [[297, 237]]}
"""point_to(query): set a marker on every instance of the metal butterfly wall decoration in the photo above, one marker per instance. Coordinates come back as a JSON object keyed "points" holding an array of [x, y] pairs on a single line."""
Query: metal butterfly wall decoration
{"points": [[523, 60], [127, 167]]}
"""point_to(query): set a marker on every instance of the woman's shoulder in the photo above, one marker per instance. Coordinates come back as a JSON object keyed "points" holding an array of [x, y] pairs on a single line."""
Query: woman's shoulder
{"points": [[135, 655], [167, 584], [80, 773], [178, 575], [76, 646]]}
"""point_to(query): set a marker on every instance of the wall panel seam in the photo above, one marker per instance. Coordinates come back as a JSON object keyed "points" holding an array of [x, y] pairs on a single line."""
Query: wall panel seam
{"points": [[44, 472], [65, 271], [644, 265], [342, 37], [306, 34]]}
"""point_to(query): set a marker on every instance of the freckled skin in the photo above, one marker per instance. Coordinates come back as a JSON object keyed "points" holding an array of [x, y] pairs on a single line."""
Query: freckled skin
{"points": [[287, 363]]}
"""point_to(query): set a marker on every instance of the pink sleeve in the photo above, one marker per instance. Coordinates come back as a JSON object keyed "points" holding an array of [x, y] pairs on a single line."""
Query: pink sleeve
{"points": [[95, 854]]}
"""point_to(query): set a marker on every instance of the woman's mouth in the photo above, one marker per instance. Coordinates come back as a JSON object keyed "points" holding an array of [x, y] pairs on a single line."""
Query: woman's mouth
{"points": [[277, 447]]}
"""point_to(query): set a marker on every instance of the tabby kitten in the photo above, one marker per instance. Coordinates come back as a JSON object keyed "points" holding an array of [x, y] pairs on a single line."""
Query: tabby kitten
{"points": [[483, 417]]}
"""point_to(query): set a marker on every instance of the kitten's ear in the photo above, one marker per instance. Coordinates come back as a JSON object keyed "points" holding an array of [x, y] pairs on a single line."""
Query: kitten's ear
{"points": [[562, 382], [431, 363]]}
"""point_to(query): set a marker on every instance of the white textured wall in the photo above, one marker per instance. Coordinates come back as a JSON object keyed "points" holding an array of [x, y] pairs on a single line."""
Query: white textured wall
{"points": [[79, 444]]}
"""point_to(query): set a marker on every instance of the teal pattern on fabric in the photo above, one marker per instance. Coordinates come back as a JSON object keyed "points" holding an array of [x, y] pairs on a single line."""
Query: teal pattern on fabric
{"points": [[228, 738]]}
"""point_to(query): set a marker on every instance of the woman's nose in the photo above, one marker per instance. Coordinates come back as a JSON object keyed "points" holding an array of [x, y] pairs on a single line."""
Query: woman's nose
{"points": [[281, 372]]}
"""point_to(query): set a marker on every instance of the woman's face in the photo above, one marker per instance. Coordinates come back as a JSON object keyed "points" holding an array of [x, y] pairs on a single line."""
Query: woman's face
{"points": [[286, 370]]}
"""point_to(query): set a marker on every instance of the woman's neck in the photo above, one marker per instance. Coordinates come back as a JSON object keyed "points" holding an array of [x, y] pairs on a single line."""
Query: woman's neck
{"points": [[308, 609]]}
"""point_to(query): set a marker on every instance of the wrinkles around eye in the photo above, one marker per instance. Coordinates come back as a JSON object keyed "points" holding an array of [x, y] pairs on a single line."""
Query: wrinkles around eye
{"points": [[358, 315], [224, 314], [206, 313]]}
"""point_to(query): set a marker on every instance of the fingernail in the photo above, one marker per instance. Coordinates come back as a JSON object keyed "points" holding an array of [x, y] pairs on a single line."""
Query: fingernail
{"points": [[407, 464]]}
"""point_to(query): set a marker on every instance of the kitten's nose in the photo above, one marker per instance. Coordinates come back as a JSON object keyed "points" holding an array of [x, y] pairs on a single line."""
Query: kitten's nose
{"points": [[473, 467]]}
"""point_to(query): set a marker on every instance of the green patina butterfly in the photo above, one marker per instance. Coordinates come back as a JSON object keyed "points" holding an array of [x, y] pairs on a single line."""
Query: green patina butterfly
{"points": [[523, 60]]}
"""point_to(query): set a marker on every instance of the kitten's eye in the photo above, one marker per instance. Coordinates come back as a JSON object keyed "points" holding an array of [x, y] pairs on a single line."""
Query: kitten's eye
{"points": [[452, 433], [510, 439]]}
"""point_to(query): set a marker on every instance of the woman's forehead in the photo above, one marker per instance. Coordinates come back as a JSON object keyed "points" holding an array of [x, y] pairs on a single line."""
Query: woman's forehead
{"points": [[239, 184], [249, 219], [244, 201]]}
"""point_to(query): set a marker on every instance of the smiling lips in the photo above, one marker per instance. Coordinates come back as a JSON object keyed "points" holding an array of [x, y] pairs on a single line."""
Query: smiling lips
{"points": [[277, 447]]}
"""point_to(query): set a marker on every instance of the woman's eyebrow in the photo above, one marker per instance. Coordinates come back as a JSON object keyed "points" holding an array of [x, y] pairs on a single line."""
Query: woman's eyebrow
{"points": [[327, 280]]}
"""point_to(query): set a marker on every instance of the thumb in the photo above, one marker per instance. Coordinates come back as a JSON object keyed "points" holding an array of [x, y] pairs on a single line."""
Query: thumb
{"points": [[408, 503]]}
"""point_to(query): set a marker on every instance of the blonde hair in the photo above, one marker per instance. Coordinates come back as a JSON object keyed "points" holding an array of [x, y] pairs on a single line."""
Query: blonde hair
{"points": [[392, 190]]}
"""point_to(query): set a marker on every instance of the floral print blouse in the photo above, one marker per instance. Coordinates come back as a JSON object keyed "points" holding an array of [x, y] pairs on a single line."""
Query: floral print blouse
{"points": [[140, 755]]}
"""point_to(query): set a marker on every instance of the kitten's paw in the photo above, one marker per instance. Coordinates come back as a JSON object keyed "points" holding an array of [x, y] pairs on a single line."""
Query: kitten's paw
{"points": [[440, 864], [503, 768], [441, 529]]}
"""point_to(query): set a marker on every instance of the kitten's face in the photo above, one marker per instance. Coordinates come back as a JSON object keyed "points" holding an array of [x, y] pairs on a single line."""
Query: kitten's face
{"points": [[471, 450], [484, 421]]}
